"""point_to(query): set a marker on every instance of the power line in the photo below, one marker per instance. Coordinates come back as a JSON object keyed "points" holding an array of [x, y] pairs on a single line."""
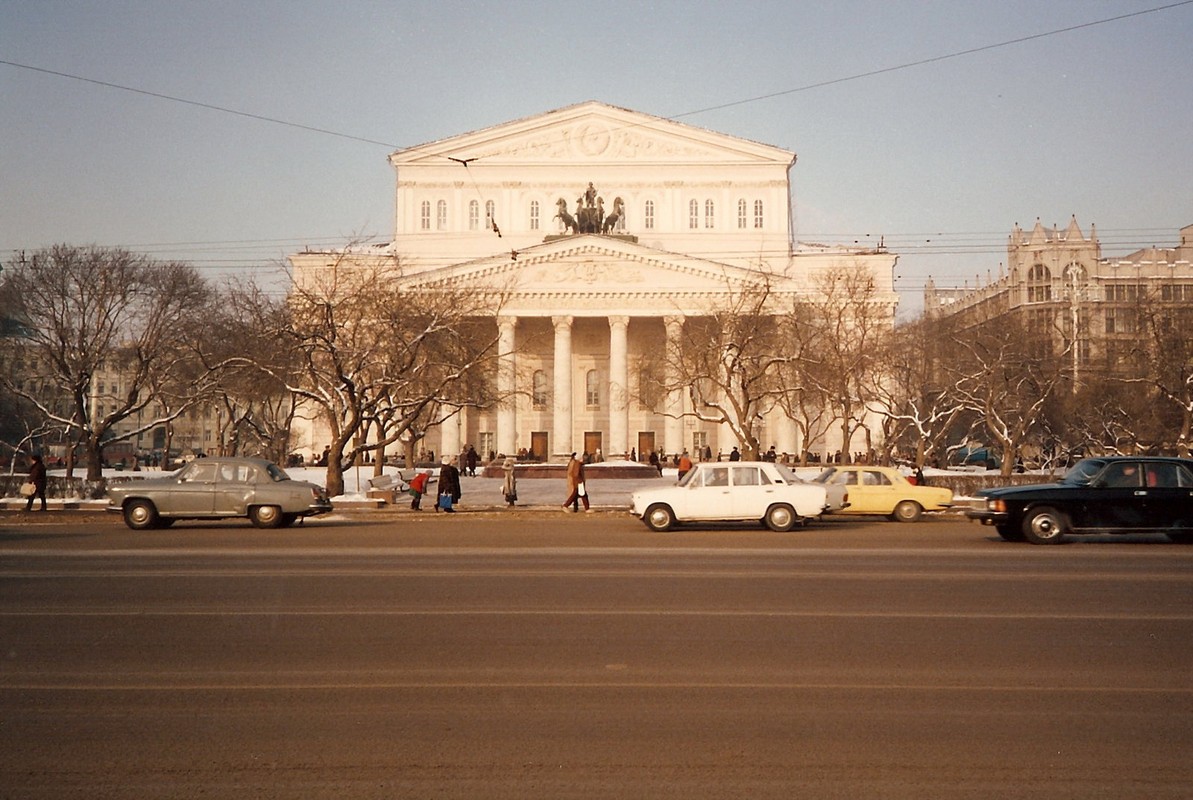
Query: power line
{"points": [[735, 103]]}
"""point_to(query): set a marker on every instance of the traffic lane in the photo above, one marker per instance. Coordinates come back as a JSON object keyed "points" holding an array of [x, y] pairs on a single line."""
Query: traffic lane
{"points": [[606, 687], [628, 740], [833, 612], [89, 531]]}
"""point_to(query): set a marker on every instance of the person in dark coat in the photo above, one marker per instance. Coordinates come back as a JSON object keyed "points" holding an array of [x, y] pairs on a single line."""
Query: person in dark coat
{"points": [[449, 484], [37, 476]]}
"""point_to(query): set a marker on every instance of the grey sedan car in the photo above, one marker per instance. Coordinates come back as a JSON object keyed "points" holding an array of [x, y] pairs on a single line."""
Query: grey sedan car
{"points": [[218, 488]]}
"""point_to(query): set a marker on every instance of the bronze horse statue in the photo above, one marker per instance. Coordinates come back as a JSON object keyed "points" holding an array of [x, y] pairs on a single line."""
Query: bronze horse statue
{"points": [[610, 221], [569, 222]]}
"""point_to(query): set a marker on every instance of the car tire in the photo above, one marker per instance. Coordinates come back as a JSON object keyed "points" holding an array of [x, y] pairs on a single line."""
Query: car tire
{"points": [[266, 516], [140, 515], [780, 517], [1044, 525], [907, 511], [659, 518]]}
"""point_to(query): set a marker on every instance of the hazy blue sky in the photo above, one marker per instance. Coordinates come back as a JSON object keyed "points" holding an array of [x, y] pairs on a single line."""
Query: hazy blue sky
{"points": [[941, 158]]}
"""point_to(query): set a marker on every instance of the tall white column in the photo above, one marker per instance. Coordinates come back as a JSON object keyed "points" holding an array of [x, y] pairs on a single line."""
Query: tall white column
{"points": [[619, 388], [673, 403], [449, 433], [507, 399], [562, 394]]}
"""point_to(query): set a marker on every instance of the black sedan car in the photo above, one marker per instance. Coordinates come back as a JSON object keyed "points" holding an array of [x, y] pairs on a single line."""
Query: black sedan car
{"points": [[1098, 495]]}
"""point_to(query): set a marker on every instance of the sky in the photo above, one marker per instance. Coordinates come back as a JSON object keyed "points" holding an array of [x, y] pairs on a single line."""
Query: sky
{"points": [[933, 127]]}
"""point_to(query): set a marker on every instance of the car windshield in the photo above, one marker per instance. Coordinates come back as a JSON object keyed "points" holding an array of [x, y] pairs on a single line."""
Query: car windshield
{"points": [[824, 476], [687, 477], [1082, 471], [788, 476], [276, 473]]}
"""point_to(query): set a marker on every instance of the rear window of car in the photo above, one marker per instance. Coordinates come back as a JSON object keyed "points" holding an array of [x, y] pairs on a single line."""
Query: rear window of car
{"points": [[276, 473]]}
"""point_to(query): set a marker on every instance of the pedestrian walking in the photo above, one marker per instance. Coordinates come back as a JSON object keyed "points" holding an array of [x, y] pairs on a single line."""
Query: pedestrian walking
{"points": [[577, 489], [37, 476], [509, 487]]}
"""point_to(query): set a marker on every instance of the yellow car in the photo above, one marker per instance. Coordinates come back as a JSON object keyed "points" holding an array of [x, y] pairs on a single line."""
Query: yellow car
{"points": [[884, 490]]}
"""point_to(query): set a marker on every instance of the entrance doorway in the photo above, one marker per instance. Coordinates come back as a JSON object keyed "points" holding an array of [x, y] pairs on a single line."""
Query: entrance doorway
{"points": [[592, 442], [538, 446], [645, 445]]}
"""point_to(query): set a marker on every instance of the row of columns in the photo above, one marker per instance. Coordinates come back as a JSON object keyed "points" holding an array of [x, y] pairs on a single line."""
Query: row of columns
{"points": [[563, 423]]}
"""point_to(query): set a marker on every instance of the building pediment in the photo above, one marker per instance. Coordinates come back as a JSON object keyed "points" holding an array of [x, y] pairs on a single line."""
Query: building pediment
{"points": [[595, 272], [591, 133]]}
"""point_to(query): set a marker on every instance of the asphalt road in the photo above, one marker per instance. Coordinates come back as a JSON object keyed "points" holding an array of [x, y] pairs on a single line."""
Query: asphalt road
{"points": [[547, 655]]}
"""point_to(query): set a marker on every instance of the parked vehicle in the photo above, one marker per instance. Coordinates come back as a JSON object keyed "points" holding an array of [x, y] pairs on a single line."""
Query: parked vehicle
{"points": [[738, 491], [217, 488], [1098, 495], [885, 491]]}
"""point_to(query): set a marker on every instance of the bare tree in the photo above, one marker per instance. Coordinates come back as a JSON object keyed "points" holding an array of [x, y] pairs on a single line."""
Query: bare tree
{"points": [[728, 362], [1164, 359], [1007, 375], [89, 310], [365, 347]]}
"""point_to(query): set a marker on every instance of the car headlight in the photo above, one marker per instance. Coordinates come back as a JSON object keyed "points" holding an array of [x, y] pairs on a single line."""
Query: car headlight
{"points": [[996, 505]]}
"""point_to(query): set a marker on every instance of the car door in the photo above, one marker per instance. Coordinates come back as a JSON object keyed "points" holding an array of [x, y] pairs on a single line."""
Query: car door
{"points": [[878, 493], [753, 491], [234, 486], [708, 494], [1169, 488], [193, 492], [1114, 501]]}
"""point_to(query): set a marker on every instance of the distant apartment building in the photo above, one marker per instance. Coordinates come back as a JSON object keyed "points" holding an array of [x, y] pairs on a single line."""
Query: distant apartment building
{"points": [[1059, 283]]}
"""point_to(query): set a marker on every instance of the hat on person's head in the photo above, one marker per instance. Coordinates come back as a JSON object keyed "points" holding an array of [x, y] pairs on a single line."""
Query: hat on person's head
{"points": [[447, 459], [573, 455]]}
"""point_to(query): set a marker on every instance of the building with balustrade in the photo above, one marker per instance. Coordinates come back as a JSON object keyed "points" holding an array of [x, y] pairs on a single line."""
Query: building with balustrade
{"points": [[606, 229]]}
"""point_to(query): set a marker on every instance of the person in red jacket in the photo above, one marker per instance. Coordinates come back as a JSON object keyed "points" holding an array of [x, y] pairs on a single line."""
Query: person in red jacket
{"points": [[418, 487]]}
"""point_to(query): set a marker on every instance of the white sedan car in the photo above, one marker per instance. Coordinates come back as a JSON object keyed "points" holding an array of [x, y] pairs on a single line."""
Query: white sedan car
{"points": [[729, 492]]}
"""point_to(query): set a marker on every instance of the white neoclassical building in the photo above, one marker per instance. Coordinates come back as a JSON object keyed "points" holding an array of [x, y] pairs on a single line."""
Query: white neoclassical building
{"points": [[606, 228]]}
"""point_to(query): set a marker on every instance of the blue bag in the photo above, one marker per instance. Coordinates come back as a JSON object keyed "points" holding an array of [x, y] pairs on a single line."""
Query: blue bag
{"points": [[445, 502]]}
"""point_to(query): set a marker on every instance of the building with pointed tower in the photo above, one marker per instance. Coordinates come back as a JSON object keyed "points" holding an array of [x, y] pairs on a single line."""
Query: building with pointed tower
{"points": [[1059, 282], [606, 229]]}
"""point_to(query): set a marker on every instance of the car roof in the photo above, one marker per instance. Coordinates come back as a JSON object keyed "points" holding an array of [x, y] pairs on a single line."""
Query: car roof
{"points": [[1150, 459]]}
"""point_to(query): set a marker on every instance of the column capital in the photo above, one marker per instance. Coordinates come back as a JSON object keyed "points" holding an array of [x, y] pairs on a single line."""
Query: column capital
{"points": [[618, 319], [562, 321], [505, 320], [672, 321]]}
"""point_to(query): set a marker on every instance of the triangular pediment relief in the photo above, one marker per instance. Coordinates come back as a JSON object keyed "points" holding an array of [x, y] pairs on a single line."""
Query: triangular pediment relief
{"points": [[591, 271], [592, 133]]}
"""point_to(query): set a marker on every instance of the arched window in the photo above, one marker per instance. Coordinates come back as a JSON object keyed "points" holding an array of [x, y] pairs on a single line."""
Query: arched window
{"points": [[694, 214], [757, 213], [592, 389], [648, 215], [474, 216], [741, 213], [534, 215], [538, 391], [1039, 284], [441, 216], [490, 207], [425, 215], [709, 214]]}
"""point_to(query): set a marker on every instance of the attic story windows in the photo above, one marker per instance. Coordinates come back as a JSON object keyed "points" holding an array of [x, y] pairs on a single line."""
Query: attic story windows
{"points": [[474, 216], [425, 215]]}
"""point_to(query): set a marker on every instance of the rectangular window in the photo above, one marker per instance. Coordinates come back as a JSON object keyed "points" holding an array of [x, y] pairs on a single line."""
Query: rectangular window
{"points": [[709, 214], [441, 216], [694, 214], [757, 213], [648, 215], [425, 215], [534, 215], [741, 213]]}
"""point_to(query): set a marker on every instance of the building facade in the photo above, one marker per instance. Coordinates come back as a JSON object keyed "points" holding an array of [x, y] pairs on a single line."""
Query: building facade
{"points": [[605, 229], [1059, 282]]}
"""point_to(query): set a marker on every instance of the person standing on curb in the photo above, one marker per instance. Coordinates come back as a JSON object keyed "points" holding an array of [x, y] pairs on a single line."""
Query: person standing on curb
{"points": [[449, 486], [509, 488], [37, 476], [577, 490]]}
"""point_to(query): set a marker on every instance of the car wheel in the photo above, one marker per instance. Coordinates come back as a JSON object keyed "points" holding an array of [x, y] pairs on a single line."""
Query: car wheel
{"points": [[265, 516], [780, 517], [659, 517], [140, 515], [907, 511], [1009, 533], [1044, 525]]}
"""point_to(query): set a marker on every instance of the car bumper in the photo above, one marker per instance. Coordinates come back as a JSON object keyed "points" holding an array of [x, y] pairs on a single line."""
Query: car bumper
{"points": [[315, 509], [988, 517]]}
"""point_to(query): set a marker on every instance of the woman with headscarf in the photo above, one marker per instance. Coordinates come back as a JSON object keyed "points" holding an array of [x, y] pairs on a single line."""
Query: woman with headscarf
{"points": [[509, 488]]}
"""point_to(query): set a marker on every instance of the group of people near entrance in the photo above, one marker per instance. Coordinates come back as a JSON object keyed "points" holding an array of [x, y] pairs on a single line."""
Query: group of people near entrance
{"points": [[449, 491]]}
